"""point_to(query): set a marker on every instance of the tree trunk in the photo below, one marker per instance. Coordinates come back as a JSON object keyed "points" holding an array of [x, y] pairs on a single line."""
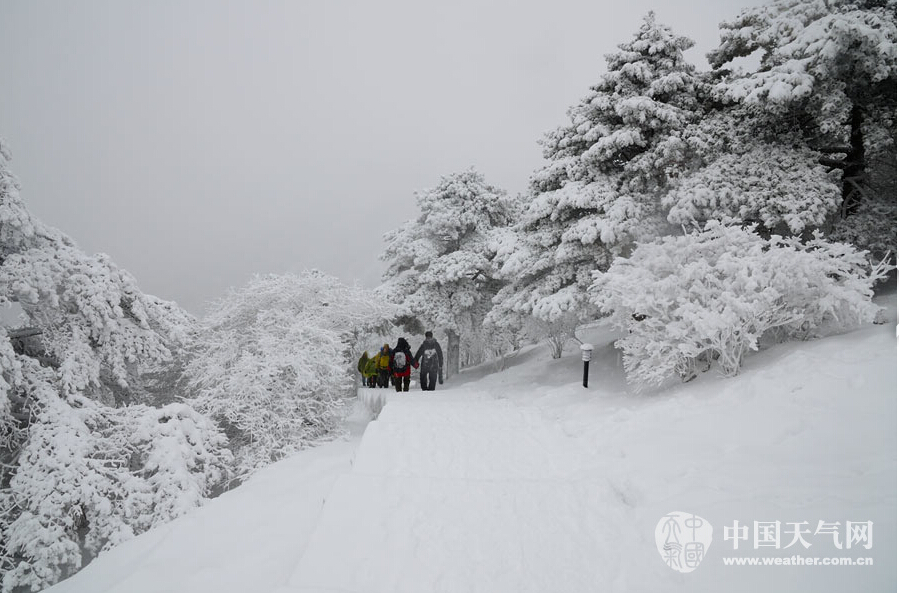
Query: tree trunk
{"points": [[355, 355], [854, 179], [357, 383], [452, 354]]}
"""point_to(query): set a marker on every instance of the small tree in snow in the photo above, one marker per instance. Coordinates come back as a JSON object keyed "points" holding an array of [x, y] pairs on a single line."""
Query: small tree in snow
{"points": [[713, 295], [274, 359], [439, 267]]}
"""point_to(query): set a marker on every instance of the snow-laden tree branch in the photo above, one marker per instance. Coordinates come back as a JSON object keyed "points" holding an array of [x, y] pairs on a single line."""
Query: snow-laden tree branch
{"points": [[831, 65]]}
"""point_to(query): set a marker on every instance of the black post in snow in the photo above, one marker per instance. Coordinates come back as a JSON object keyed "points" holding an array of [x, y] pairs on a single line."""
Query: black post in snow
{"points": [[586, 353]]}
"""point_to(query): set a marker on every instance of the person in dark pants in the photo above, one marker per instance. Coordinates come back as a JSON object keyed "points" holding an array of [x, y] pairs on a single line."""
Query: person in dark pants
{"points": [[430, 357], [401, 365], [383, 362]]}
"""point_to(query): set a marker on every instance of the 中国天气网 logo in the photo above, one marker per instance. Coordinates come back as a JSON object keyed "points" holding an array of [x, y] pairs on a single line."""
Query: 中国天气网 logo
{"points": [[683, 539]]}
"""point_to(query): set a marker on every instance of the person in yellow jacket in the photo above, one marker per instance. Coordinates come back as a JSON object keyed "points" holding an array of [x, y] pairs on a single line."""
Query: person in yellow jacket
{"points": [[371, 372], [361, 366], [382, 359]]}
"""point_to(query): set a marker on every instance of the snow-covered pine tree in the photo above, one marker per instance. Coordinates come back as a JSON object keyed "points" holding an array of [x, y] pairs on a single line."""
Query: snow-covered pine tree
{"points": [[829, 66], [601, 189], [274, 359], [83, 466], [439, 266]]}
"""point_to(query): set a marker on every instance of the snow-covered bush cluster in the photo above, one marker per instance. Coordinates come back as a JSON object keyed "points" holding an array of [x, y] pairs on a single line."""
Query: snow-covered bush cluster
{"points": [[713, 295], [272, 363], [92, 476], [782, 188], [743, 167]]}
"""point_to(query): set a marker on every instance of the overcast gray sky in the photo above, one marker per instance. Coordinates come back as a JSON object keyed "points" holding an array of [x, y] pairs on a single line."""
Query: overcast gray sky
{"points": [[199, 142]]}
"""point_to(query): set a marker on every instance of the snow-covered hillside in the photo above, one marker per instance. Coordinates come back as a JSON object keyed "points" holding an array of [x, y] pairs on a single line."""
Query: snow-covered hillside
{"points": [[522, 480]]}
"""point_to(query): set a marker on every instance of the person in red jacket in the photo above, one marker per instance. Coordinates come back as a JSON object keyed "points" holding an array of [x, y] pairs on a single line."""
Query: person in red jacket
{"points": [[401, 364]]}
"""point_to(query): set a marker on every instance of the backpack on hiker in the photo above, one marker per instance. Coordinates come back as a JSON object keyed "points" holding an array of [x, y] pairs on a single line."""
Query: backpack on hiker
{"points": [[399, 361], [429, 357]]}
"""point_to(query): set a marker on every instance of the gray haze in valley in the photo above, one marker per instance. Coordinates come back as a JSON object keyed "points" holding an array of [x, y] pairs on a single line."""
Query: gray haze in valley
{"points": [[198, 143]]}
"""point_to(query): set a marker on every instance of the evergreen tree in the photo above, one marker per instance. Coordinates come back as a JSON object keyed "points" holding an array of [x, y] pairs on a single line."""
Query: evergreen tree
{"points": [[602, 187], [440, 265]]}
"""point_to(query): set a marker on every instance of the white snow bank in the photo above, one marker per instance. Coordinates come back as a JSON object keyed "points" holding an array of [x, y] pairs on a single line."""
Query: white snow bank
{"points": [[246, 540]]}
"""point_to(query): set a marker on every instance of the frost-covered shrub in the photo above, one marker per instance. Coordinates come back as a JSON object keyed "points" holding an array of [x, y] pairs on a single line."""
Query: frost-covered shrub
{"points": [[712, 295], [275, 359], [91, 477]]}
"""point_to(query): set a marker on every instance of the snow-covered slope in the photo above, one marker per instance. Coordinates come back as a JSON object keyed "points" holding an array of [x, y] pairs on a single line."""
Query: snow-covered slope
{"points": [[522, 480]]}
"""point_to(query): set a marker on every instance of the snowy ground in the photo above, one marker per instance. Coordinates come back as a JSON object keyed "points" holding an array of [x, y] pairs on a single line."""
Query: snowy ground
{"points": [[522, 480]]}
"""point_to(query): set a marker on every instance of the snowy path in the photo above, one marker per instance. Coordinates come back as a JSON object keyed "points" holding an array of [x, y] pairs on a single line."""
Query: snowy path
{"points": [[508, 484], [430, 474]]}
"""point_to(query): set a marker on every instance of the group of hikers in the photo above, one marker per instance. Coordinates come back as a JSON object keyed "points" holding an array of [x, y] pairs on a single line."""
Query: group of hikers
{"points": [[394, 365]]}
